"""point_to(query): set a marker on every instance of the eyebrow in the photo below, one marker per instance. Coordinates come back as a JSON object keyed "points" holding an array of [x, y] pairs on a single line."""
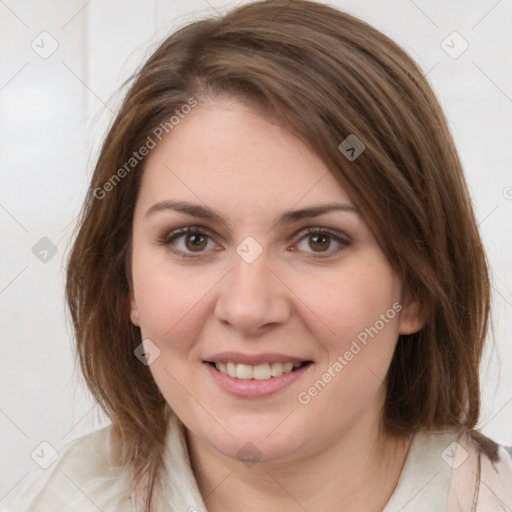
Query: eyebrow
{"points": [[287, 217]]}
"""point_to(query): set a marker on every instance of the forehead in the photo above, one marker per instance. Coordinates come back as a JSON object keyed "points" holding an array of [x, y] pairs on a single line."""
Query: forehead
{"points": [[233, 157]]}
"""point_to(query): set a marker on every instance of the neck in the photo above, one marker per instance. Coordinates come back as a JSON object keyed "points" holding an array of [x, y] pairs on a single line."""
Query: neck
{"points": [[358, 472]]}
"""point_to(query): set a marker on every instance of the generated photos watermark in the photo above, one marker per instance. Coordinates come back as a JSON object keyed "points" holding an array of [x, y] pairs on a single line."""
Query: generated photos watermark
{"points": [[357, 345], [150, 143]]}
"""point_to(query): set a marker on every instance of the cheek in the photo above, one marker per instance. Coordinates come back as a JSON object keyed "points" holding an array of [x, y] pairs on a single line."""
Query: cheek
{"points": [[361, 311], [171, 308], [356, 301], [362, 314], [172, 301]]}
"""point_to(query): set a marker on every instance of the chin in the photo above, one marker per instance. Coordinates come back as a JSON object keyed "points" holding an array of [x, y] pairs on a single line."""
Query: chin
{"points": [[255, 439]]}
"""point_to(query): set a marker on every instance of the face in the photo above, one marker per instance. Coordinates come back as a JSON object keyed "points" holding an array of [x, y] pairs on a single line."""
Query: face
{"points": [[271, 328]]}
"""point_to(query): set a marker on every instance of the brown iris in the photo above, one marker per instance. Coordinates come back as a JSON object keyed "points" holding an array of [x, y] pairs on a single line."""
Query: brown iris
{"points": [[195, 242], [322, 244]]}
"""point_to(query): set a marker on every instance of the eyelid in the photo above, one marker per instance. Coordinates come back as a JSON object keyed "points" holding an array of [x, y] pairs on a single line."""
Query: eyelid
{"points": [[175, 233], [342, 237], [179, 232], [339, 237]]}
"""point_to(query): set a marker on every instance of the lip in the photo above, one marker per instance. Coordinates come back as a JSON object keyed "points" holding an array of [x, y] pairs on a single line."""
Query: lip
{"points": [[252, 388], [253, 359]]}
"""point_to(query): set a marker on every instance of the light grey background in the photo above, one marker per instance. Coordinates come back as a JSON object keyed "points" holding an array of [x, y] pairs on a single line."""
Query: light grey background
{"points": [[54, 112]]}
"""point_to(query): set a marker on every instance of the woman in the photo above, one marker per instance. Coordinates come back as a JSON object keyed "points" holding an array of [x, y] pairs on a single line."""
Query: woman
{"points": [[278, 288]]}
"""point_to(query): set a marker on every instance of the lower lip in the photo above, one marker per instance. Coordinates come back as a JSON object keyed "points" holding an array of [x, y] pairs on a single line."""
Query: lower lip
{"points": [[252, 388]]}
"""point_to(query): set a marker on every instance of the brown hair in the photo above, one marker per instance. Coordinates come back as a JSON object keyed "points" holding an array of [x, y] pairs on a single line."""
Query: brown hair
{"points": [[324, 75]]}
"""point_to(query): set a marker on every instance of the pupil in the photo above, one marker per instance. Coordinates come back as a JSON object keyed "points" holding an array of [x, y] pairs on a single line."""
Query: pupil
{"points": [[196, 242], [324, 244]]}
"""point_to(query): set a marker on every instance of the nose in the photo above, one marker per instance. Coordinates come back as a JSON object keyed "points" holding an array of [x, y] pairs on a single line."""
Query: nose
{"points": [[252, 297]]}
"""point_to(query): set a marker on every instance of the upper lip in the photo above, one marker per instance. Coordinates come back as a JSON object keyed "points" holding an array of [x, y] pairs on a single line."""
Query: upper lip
{"points": [[254, 359]]}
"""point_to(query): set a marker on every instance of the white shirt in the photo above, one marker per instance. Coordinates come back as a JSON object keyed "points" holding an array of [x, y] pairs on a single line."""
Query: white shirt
{"points": [[439, 474]]}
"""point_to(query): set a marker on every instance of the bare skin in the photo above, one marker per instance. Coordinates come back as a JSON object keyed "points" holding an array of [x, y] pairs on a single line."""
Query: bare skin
{"points": [[306, 296]]}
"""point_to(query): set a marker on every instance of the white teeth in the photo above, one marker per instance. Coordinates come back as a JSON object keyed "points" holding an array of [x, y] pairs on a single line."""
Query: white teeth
{"points": [[230, 369], [259, 372], [276, 369], [244, 371], [287, 367]]}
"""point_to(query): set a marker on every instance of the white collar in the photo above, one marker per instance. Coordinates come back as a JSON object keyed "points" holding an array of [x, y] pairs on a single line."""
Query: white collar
{"points": [[422, 487]]}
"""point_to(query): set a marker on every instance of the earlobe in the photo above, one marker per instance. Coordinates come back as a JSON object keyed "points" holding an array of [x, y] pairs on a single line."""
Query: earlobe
{"points": [[411, 318], [134, 312]]}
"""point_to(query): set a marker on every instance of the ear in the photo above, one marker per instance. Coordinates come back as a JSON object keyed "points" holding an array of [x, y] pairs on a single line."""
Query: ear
{"points": [[412, 318], [134, 312]]}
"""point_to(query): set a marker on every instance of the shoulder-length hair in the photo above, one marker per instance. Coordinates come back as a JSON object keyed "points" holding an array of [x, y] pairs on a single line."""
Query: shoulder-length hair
{"points": [[324, 75]]}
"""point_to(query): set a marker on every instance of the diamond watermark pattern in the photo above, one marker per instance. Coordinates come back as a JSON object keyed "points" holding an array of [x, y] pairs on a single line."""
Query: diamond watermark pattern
{"points": [[249, 455], [44, 455], [249, 249], [44, 250], [147, 352], [44, 45], [454, 45], [351, 147], [454, 455]]}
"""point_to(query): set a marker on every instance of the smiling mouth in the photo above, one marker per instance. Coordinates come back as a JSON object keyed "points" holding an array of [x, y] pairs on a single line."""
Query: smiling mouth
{"points": [[262, 371]]}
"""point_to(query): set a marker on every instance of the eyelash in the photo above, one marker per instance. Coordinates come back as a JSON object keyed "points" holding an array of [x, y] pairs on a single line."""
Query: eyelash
{"points": [[196, 230]]}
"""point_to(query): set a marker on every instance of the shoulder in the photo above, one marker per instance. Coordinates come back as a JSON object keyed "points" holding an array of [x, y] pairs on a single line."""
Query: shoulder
{"points": [[482, 475], [86, 476], [453, 472]]}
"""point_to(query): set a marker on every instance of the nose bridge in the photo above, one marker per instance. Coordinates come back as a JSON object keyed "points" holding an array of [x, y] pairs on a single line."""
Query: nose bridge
{"points": [[251, 296], [249, 278]]}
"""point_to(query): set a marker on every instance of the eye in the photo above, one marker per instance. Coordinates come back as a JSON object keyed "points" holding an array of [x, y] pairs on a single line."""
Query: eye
{"points": [[319, 240], [187, 241]]}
